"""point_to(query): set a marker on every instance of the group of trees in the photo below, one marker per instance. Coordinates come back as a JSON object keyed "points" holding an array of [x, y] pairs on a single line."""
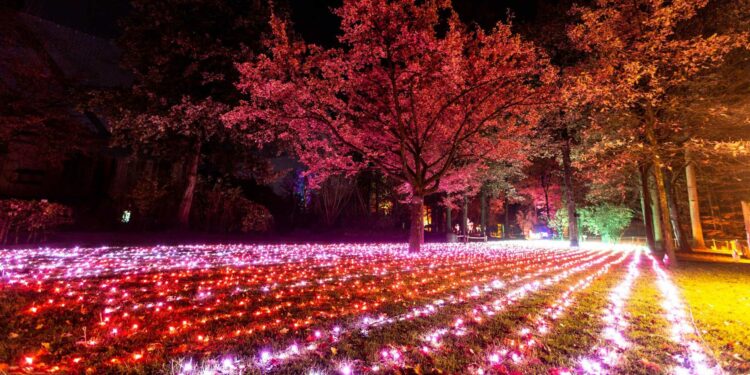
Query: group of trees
{"points": [[434, 105], [636, 62], [30, 220], [181, 55]]}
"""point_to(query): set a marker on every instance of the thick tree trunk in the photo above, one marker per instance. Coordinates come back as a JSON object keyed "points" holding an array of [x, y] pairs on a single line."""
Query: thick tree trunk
{"points": [[661, 190], [695, 214], [674, 217], [183, 215], [569, 193], [665, 221], [646, 207], [656, 215], [416, 228]]}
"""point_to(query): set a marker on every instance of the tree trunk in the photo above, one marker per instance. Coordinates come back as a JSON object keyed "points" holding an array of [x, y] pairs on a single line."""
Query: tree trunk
{"points": [[506, 222], [483, 212], [661, 191], [416, 228], [4, 232], [570, 196], [646, 207], [120, 178], [674, 217], [667, 231], [656, 215], [183, 216], [448, 220], [465, 218], [695, 214], [545, 188], [746, 217]]}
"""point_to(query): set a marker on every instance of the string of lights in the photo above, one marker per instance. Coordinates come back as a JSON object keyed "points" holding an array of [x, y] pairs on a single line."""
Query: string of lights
{"points": [[231, 309], [140, 305], [694, 361], [608, 353], [522, 347]]}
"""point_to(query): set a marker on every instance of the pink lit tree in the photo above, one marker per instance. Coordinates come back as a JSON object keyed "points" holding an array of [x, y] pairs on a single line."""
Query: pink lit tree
{"points": [[411, 92]]}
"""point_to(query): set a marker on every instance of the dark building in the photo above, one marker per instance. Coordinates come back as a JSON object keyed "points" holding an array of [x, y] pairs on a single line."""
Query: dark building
{"points": [[49, 149]]}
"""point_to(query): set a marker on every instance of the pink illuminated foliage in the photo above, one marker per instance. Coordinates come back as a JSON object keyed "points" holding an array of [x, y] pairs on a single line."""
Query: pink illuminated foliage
{"points": [[412, 92]]}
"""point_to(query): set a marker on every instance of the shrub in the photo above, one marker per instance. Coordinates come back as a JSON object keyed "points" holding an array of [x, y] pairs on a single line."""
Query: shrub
{"points": [[148, 197], [606, 220], [559, 223], [257, 218], [32, 218], [222, 208]]}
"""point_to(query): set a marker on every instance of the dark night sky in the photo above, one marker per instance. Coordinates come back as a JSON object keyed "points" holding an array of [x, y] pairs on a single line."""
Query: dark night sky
{"points": [[311, 17], [313, 20]]}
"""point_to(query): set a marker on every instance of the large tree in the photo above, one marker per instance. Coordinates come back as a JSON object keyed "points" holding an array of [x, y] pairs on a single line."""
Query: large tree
{"points": [[181, 54], [412, 92], [637, 60]]}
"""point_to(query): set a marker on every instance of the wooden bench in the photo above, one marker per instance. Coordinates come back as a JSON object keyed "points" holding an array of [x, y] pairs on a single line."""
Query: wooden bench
{"points": [[467, 238]]}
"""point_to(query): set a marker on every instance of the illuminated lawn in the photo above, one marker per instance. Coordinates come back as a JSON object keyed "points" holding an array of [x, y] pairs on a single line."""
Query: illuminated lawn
{"points": [[719, 296], [532, 307]]}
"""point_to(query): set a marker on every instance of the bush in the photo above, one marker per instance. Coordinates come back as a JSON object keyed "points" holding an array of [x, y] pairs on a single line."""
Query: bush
{"points": [[559, 223], [149, 198], [257, 218], [222, 208], [606, 220], [34, 219]]}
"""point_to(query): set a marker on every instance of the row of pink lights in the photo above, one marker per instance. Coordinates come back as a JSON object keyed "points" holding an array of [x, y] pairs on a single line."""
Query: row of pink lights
{"points": [[392, 357], [607, 355], [528, 338], [432, 341], [268, 359]]}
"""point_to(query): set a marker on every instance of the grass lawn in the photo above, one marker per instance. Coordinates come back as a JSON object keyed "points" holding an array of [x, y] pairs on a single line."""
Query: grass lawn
{"points": [[510, 308], [719, 296]]}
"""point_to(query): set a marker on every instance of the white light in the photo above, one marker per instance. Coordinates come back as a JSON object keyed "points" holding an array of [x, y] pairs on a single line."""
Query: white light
{"points": [[265, 357]]}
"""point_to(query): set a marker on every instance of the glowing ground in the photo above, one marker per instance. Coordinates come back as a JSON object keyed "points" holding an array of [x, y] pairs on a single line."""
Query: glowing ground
{"points": [[524, 307]]}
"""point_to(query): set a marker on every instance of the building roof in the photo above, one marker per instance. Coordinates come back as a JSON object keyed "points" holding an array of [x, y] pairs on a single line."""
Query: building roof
{"points": [[31, 45]]}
